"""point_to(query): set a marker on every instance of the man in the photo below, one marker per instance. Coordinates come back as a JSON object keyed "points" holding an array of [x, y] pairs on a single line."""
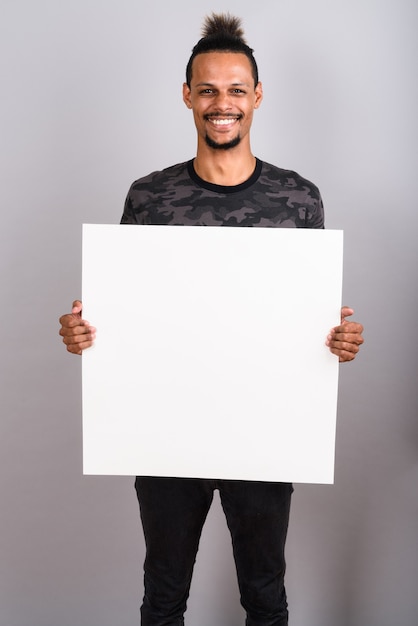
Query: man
{"points": [[224, 185]]}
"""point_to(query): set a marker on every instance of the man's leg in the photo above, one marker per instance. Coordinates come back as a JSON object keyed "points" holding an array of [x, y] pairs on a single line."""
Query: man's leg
{"points": [[173, 511], [258, 514]]}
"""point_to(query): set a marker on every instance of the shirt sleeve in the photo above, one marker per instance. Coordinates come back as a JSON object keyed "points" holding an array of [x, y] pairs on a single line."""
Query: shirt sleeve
{"points": [[129, 216]]}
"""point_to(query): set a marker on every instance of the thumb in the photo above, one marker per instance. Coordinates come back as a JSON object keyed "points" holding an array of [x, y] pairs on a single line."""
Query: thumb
{"points": [[346, 311], [77, 307]]}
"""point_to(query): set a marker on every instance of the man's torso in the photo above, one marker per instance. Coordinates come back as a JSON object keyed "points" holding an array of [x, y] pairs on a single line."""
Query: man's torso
{"points": [[271, 197]]}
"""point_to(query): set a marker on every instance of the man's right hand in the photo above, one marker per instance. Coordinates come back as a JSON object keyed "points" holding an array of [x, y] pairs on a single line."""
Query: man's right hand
{"points": [[76, 333]]}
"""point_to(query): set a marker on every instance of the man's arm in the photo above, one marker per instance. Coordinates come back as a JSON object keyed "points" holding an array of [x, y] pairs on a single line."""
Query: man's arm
{"points": [[345, 340], [76, 333]]}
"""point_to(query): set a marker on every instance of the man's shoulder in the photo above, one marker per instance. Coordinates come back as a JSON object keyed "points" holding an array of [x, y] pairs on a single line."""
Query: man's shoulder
{"points": [[286, 178], [173, 174]]}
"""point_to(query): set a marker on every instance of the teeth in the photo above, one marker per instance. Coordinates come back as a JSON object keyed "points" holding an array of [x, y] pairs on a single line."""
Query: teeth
{"points": [[223, 122]]}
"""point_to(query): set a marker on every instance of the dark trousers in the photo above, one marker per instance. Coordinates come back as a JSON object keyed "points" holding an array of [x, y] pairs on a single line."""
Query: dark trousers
{"points": [[173, 511]]}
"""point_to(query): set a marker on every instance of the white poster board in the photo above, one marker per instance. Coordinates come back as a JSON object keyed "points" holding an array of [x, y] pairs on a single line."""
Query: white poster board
{"points": [[210, 357]]}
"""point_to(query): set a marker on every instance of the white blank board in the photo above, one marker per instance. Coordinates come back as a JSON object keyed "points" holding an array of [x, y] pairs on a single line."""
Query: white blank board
{"points": [[210, 357]]}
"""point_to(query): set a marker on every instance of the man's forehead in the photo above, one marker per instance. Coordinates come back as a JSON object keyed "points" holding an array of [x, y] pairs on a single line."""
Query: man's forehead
{"points": [[221, 61], [213, 68]]}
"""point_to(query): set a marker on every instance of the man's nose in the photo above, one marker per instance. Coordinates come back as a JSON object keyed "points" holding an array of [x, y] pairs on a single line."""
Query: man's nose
{"points": [[223, 101]]}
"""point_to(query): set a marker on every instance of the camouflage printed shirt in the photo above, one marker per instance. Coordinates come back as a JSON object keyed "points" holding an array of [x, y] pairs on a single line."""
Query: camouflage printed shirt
{"points": [[271, 197]]}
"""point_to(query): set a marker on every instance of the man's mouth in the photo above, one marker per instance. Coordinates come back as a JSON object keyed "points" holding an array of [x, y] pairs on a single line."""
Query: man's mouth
{"points": [[223, 120]]}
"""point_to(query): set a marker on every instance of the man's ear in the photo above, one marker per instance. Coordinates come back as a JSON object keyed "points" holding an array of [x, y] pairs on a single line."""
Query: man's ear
{"points": [[187, 96], [258, 95]]}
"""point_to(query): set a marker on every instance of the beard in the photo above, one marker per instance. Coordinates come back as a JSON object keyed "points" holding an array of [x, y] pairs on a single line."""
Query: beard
{"points": [[223, 146], [227, 145]]}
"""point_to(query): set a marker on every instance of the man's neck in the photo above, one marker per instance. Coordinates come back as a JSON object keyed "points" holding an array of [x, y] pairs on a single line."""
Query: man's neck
{"points": [[227, 168]]}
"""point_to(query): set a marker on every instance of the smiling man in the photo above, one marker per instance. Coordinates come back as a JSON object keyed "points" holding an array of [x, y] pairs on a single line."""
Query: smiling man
{"points": [[223, 92], [224, 185]]}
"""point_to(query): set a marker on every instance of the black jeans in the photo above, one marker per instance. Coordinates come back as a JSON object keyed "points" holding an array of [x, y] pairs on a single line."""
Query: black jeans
{"points": [[173, 511]]}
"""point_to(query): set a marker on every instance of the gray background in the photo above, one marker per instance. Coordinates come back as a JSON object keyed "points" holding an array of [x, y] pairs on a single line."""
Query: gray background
{"points": [[91, 100]]}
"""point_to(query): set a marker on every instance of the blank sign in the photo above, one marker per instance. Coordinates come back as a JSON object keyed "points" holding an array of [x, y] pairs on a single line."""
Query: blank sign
{"points": [[210, 357]]}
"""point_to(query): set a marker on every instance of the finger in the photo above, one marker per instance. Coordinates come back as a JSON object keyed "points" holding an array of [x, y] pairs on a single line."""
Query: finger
{"points": [[77, 307], [348, 327], [346, 346], [77, 334], [70, 321], [355, 338], [346, 311], [346, 357], [73, 317], [75, 327], [77, 348], [345, 352], [80, 342]]}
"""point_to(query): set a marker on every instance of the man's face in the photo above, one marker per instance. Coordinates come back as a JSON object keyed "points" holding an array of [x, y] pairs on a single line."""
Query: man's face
{"points": [[223, 97]]}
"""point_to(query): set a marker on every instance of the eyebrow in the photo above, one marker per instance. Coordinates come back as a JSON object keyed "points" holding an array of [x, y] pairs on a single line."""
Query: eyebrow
{"points": [[213, 85]]}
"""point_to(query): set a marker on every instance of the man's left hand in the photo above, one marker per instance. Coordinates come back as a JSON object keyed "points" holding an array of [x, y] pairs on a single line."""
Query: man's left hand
{"points": [[345, 340]]}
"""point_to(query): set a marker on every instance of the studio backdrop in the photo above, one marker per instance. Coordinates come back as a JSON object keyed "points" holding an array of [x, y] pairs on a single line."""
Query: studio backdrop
{"points": [[91, 100]]}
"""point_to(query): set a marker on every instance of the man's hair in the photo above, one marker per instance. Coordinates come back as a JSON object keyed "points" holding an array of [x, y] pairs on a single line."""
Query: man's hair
{"points": [[222, 33]]}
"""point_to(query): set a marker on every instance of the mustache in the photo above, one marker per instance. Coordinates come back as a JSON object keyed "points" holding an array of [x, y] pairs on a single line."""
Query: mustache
{"points": [[236, 116]]}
